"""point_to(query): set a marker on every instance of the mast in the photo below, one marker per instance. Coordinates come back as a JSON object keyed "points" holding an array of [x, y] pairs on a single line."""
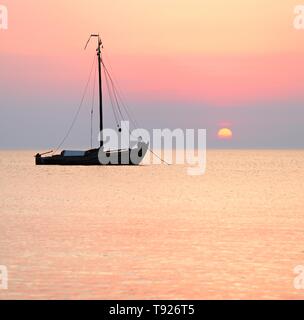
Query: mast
{"points": [[100, 91], [99, 47]]}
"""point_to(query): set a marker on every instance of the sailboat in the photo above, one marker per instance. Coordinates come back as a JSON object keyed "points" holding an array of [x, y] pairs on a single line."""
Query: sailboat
{"points": [[96, 156]]}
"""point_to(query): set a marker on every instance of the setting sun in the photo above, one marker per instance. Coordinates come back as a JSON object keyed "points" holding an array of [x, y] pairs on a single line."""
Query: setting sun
{"points": [[224, 133]]}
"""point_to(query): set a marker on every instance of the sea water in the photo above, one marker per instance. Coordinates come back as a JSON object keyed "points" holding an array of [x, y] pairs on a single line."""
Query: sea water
{"points": [[152, 231]]}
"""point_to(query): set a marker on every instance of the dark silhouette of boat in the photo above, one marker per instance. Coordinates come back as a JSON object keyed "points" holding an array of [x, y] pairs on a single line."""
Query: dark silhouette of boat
{"points": [[97, 156]]}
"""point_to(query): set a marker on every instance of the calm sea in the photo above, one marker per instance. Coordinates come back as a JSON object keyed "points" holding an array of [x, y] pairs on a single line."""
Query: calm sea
{"points": [[153, 231]]}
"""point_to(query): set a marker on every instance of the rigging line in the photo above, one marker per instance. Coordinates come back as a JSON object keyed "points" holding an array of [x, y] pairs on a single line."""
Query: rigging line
{"points": [[111, 100], [121, 97], [115, 110], [114, 92], [113, 89], [117, 102], [92, 107], [129, 116], [165, 162], [127, 109], [128, 113], [79, 108], [132, 118], [110, 91], [134, 121], [117, 94]]}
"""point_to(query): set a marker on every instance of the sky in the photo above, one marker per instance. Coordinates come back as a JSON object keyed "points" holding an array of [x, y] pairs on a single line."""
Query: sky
{"points": [[180, 64]]}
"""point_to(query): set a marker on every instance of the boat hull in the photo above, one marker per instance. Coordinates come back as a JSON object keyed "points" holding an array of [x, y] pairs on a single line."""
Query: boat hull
{"points": [[92, 158]]}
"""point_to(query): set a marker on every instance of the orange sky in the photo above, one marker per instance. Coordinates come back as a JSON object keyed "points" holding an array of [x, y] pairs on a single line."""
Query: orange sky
{"points": [[158, 26]]}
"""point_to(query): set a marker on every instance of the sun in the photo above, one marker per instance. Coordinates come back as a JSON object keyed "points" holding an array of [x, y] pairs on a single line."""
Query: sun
{"points": [[225, 134]]}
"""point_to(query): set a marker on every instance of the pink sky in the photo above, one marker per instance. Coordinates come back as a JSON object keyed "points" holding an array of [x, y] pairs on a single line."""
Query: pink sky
{"points": [[208, 51], [224, 54]]}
